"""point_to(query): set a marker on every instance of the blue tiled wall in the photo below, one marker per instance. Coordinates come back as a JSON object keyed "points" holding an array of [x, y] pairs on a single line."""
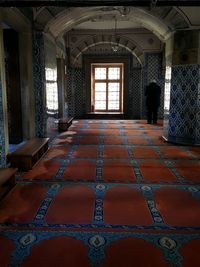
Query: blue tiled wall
{"points": [[76, 93], [153, 70], [39, 83], [183, 125], [134, 94]]}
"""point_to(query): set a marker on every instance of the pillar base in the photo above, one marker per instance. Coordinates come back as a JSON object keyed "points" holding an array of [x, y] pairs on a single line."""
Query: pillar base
{"points": [[180, 140]]}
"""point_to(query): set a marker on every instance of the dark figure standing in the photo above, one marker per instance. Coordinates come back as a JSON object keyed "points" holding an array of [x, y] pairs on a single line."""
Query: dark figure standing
{"points": [[152, 93]]}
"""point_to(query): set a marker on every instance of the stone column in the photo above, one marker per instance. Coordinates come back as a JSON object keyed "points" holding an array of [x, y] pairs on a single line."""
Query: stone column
{"points": [[27, 88], [181, 124], [39, 84]]}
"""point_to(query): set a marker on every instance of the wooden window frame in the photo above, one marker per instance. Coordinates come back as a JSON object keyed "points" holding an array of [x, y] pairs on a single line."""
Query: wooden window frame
{"points": [[107, 81]]}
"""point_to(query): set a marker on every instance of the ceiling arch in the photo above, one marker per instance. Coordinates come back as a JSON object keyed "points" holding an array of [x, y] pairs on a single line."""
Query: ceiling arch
{"points": [[71, 17]]}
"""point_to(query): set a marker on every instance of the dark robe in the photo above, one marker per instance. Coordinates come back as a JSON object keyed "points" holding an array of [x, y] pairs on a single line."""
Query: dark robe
{"points": [[152, 93]]}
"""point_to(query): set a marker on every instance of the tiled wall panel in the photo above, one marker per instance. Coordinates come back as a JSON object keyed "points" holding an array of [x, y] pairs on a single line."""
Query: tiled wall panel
{"points": [[184, 105], [134, 94], [39, 83], [76, 93], [153, 70]]}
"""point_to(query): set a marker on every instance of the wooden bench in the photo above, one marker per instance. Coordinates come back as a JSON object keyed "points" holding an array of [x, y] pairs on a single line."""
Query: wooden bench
{"points": [[25, 157], [64, 124], [7, 180]]}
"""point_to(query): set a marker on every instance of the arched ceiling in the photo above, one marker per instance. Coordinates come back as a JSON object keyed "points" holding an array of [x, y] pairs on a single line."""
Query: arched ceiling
{"points": [[162, 21], [136, 16]]}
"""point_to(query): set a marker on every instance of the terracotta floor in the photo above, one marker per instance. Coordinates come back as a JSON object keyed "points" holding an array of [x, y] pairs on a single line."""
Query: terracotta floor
{"points": [[107, 193]]}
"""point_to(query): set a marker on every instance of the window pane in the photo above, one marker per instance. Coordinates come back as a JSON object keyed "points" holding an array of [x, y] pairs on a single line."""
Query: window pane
{"points": [[100, 87], [107, 88], [114, 87], [52, 96], [51, 74], [100, 73], [100, 96], [167, 89], [113, 105], [100, 105], [113, 96], [114, 73]]}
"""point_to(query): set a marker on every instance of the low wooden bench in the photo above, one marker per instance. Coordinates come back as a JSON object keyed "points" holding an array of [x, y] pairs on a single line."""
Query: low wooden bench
{"points": [[25, 157], [7, 180], [64, 123]]}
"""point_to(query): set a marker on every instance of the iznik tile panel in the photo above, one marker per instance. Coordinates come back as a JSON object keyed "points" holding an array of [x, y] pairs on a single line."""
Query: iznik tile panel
{"points": [[76, 92], [39, 83], [134, 94], [184, 105], [153, 70]]}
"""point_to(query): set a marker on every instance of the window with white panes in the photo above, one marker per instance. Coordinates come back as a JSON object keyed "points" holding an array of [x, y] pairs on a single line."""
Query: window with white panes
{"points": [[51, 91], [107, 87]]}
